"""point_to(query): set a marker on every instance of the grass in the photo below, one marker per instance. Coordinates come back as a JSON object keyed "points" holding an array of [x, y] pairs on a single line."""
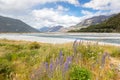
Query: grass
{"points": [[21, 60]]}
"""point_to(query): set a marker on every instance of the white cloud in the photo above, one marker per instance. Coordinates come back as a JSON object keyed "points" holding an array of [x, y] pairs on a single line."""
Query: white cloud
{"points": [[51, 17], [89, 14], [61, 8], [23, 10], [85, 12], [112, 5], [74, 2], [25, 4]]}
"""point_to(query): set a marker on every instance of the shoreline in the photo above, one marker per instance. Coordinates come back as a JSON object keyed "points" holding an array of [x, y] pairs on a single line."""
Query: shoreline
{"points": [[37, 39], [50, 40]]}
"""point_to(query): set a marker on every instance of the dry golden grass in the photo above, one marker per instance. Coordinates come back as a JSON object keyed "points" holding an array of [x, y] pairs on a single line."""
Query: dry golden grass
{"points": [[22, 58]]}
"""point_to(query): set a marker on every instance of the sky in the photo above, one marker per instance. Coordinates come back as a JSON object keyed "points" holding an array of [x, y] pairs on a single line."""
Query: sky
{"points": [[49, 13]]}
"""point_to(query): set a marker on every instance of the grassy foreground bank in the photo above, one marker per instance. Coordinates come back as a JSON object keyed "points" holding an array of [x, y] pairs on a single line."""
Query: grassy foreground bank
{"points": [[21, 60]]}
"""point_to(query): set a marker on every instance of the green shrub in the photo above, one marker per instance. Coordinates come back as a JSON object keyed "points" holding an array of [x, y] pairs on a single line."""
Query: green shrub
{"points": [[34, 45], [5, 69], [79, 73], [11, 56]]}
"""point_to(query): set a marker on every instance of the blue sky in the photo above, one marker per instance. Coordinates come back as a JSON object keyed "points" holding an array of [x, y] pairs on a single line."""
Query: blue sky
{"points": [[40, 13], [73, 9]]}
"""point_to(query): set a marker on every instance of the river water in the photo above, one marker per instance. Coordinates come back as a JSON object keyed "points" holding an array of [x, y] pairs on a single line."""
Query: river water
{"points": [[113, 38], [100, 37]]}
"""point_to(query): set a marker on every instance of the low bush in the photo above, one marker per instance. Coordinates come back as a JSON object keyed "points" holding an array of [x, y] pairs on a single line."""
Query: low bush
{"points": [[11, 56], [79, 73], [5, 69], [34, 45]]}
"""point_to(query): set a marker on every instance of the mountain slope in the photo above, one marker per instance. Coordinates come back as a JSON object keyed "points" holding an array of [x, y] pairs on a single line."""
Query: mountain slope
{"points": [[89, 21], [110, 25], [44, 29], [55, 29], [51, 29], [94, 20], [14, 25]]}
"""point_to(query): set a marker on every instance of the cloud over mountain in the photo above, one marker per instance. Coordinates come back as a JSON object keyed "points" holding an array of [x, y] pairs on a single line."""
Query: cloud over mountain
{"points": [[39, 13], [50, 17], [112, 5]]}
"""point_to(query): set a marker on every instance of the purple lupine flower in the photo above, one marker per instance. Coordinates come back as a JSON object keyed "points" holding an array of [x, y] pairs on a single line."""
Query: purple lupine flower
{"points": [[103, 59], [67, 63], [61, 58], [75, 46], [56, 62], [60, 54], [38, 72], [74, 43], [46, 66], [51, 69]]}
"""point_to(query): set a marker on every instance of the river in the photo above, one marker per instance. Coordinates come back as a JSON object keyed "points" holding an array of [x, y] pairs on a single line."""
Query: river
{"points": [[113, 38]]}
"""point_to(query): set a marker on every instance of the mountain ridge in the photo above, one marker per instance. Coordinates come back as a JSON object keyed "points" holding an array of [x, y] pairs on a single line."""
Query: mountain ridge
{"points": [[51, 29], [10, 25], [110, 25], [94, 20]]}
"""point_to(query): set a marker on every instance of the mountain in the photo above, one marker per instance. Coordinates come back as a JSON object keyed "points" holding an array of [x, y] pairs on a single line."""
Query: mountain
{"points": [[51, 29], [94, 20], [10, 25], [55, 29], [110, 25], [89, 21], [44, 29]]}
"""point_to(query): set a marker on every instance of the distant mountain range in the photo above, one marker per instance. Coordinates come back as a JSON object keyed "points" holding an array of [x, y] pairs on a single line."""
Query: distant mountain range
{"points": [[44, 29], [83, 24], [94, 20], [112, 24], [10, 25], [51, 29], [90, 21], [100, 23]]}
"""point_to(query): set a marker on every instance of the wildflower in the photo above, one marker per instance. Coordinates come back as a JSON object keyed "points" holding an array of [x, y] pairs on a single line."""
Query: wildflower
{"points": [[38, 73], [103, 59], [51, 69], [67, 63], [60, 54], [61, 58], [75, 46], [46, 66]]}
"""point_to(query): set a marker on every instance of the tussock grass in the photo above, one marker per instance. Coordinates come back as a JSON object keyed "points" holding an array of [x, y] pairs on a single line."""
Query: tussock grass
{"points": [[22, 60]]}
